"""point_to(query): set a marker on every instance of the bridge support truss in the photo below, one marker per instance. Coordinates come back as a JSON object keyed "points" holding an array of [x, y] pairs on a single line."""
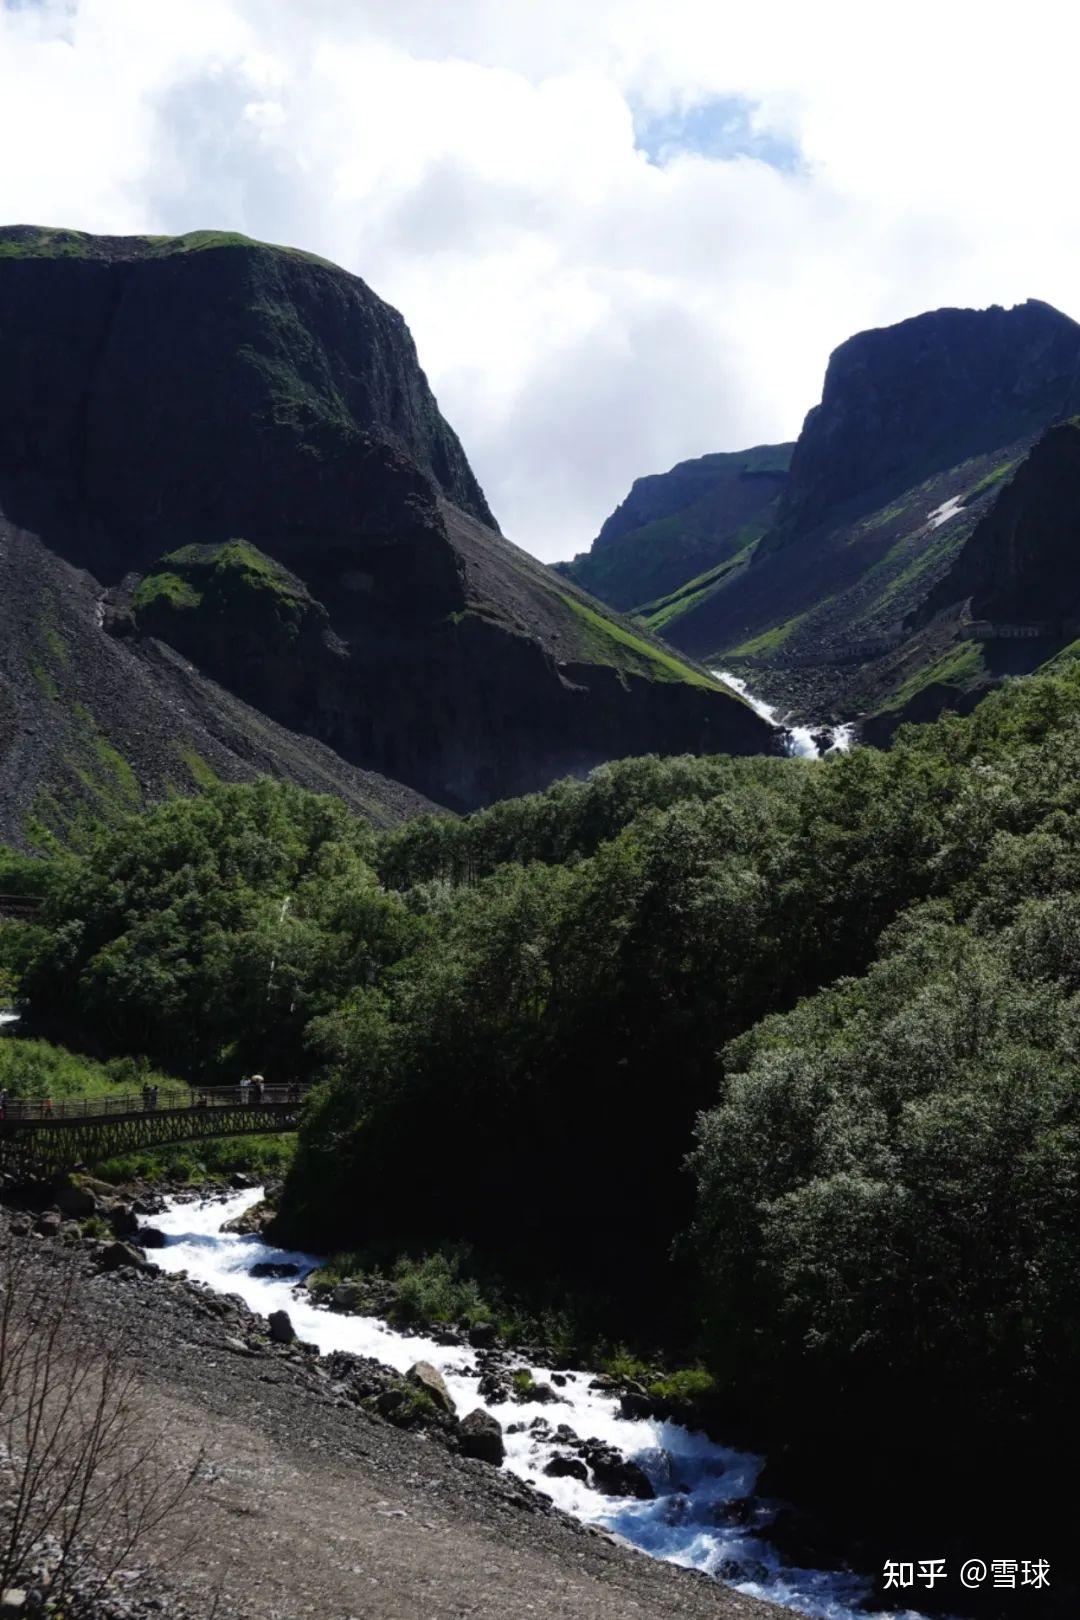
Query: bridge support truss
{"points": [[42, 1147]]}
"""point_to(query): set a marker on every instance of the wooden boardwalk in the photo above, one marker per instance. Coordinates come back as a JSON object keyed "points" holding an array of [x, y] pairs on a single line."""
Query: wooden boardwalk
{"points": [[38, 1137]]}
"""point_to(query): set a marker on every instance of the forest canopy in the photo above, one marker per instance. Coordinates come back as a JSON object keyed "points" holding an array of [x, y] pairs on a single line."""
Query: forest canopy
{"points": [[815, 1025]]}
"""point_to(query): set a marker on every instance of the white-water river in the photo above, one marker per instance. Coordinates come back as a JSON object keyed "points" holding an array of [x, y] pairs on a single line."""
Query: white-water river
{"points": [[799, 740], [690, 1521]]}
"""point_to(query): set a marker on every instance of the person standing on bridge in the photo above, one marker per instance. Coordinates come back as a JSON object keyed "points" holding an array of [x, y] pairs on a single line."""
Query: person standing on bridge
{"points": [[245, 1089], [146, 1096], [257, 1083]]}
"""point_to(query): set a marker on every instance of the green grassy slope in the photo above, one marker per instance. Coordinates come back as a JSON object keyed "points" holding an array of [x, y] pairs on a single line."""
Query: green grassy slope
{"points": [[674, 526]]}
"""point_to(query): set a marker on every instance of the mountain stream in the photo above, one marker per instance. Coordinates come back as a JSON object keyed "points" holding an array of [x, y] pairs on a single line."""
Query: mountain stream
{"points": [[699, 1516]]}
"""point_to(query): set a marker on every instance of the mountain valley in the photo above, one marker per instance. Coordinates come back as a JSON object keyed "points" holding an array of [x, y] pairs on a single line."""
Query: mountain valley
{"points": [[885, 586]]}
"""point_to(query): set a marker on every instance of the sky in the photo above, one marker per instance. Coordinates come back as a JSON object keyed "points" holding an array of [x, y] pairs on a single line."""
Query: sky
{"points": [[623, 233]]}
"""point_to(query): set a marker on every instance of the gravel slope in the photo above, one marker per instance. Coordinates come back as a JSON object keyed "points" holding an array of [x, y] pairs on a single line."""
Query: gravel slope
{"points": [[92, 724], [313, 1507]]}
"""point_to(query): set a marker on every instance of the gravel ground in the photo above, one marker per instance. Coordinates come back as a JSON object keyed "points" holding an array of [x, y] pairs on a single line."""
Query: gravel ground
{"points": [[310, 1506]]}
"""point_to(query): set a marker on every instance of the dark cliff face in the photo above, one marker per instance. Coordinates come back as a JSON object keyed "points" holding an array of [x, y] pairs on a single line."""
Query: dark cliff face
{"points": [[247, 430], [94, 725], [204, 387], [918, 427], [673, 526], [903, 402], [1021, 565]]}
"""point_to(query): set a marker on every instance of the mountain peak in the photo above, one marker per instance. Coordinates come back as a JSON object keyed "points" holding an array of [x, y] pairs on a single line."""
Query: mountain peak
{"points": [[202, 383], [900, 402], [238, 443]]}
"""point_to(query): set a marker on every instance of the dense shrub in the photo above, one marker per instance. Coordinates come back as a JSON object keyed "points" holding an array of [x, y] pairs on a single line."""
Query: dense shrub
{"points": [[889, 1203]]}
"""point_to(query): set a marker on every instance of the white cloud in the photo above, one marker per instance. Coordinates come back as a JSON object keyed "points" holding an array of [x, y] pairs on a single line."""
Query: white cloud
{"points": [[584, 315]]}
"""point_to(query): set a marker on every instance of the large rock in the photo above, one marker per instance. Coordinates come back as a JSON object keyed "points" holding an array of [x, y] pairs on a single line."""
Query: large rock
{"points": [[75, 1200], [431, 1381], [103, 1189], [252, 1221], [560, 1467], [281, 1328], [48, 1225], [116, 1255], [614, 1474], [347, 1296], [481, 1436], [151, 1237], [635, 1404], [123, 1220], [494, 1387], [533, 1392]]}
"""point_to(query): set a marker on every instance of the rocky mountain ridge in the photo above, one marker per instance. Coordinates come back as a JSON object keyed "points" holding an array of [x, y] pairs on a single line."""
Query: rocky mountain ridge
{"points": [[675, 525], [211, 397], [923, 431]]}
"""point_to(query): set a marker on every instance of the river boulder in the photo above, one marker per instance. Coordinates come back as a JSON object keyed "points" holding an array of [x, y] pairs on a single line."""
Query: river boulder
{"points": [[481, 1436], [252, 1221], [431, 1381], [560, 1467], [281, 1328], [633, 1405], [116, 1255], [123, 1220], [494, 1387], [76, 1200], [614, 1474]]}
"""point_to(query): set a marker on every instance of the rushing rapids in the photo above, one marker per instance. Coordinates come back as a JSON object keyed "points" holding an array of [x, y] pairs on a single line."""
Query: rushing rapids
{"points": [[801, 741], [692, 1520]]}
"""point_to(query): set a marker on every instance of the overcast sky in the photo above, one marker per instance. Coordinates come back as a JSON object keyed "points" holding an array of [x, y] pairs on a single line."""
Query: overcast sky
{"points": [[623, 232]]}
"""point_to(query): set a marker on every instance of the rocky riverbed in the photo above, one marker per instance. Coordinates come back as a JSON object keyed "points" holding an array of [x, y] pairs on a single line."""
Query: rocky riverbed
{"points": [[311, 1501]]}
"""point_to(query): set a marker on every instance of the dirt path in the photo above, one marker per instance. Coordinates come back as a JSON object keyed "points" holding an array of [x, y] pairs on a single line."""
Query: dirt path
{"points": [[288, 1535]]}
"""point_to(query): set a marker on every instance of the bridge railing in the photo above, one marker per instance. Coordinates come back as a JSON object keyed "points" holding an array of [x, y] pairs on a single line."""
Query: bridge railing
{"points": [[17, 907], [171, 1099]]}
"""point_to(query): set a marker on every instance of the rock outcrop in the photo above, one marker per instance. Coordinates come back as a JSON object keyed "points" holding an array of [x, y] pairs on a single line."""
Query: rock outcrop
{"points": [[920, 427], [1021, 565], [239, 445], [902, 402]]}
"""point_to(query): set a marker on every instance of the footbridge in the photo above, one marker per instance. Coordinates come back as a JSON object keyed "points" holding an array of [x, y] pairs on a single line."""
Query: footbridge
{"points": [[39, 1136]]}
